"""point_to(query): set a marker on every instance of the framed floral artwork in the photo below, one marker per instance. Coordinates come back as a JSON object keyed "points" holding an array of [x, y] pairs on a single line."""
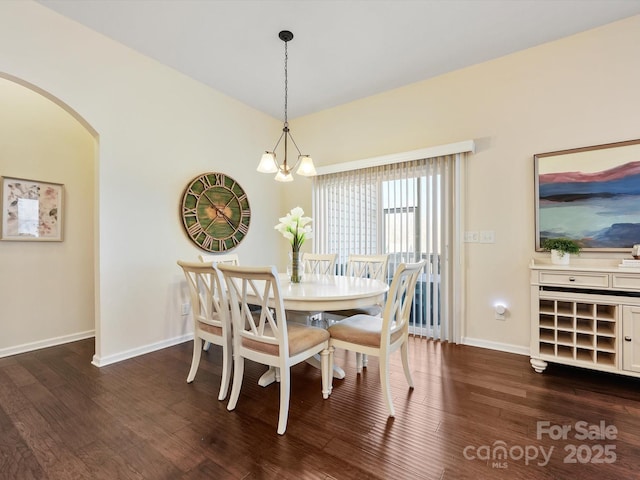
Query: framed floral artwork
{"points": [[590, 195], [31, 210]]}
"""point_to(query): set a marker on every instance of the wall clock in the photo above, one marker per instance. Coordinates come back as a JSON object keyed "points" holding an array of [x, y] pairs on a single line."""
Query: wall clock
{"points": [[215, 212]]}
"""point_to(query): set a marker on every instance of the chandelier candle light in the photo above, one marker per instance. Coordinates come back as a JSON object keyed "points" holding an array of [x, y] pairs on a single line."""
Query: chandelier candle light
{"points": [[268, 162], [295, 227]]}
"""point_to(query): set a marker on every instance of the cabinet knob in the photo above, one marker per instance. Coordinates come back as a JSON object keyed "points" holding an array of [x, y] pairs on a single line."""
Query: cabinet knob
{"points": [[627, 338], [572, 279]]}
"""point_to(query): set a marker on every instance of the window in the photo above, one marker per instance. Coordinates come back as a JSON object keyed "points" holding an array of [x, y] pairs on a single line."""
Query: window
{"points": [[411, 212]]}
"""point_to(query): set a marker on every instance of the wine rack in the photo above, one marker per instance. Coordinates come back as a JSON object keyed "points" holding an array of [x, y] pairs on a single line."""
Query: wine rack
{"points": [[579, 331]]}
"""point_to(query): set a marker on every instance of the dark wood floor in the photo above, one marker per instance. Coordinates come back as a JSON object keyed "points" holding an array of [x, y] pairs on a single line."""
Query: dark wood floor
{"points": [[62, 418]]}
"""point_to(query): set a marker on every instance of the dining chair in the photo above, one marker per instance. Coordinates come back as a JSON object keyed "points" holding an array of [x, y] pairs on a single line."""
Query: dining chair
{"points": [[365, 266], [381, 336], [362, 266], [231, 258], [320, 263], [316, 263], [211, 317], [266, 337]]}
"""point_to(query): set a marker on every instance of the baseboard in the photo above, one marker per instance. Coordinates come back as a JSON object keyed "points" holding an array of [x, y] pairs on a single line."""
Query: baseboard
{"points": [[135, 352], [49, 342], [503, 347]]}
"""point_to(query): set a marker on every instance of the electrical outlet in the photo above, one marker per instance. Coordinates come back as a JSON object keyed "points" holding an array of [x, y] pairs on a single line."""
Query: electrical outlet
{"points": [[185, 309], [487, 236]]}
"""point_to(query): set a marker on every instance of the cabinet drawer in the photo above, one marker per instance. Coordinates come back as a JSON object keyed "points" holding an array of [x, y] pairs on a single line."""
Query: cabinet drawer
{"points": [[570, 279], [626, 281]]}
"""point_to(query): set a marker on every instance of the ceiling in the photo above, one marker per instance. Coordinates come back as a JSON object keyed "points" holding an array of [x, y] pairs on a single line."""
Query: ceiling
{"points": [[342, 50]]}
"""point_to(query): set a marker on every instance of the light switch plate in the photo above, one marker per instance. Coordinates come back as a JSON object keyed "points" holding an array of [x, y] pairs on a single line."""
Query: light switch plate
{"points": [[471, 237]]}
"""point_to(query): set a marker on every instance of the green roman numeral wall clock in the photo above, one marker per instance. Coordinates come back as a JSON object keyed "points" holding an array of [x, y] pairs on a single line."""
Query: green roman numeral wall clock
{"points": [[215, 212]]}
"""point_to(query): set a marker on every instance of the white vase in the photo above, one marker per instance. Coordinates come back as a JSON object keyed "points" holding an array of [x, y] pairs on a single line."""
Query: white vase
{"points": [[557, 258]]}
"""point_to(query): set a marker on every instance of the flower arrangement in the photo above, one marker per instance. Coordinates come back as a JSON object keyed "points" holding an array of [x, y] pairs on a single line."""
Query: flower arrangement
{"points": [[295, 227]]}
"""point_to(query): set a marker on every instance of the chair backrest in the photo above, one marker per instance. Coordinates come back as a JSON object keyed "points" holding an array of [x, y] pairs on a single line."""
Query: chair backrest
{"points": [[263, 331], [368, 266], [231, 258], [321, 263], [209, 303], [397, 309]]}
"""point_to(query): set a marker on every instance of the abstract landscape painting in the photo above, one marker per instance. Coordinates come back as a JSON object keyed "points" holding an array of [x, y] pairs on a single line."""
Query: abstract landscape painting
{"points": [[591, 195]]}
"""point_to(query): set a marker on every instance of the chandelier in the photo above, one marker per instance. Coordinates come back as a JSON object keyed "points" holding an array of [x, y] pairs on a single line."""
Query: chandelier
{"points": [[268, 162]]}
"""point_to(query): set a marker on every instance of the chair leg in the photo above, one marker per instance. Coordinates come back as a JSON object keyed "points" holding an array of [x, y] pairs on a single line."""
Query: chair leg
{"points": [[206, 346], [285, 380], [227, 364], [195, 361], [404, 353], [327, 372], [384, 381], [365, 360], [358, 362], [238, 372]]}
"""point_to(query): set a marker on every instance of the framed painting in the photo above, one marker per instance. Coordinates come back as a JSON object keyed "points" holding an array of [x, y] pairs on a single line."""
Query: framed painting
{"points": [[590, 195], [31, 210]]}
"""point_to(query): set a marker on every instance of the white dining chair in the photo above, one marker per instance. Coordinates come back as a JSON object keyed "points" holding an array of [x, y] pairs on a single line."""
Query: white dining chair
{"points": [[320, 263], [230, 258], [362, 266], [211, 317], [381, 336], [266, 337], [365, 266]]}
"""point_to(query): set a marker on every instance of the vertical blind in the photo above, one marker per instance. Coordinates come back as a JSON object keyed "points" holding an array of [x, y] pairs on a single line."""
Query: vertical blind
{"points": [[402, 209]]}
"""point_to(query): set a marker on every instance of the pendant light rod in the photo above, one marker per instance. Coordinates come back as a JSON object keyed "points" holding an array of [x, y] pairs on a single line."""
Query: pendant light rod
{"points": [[286, 36]]}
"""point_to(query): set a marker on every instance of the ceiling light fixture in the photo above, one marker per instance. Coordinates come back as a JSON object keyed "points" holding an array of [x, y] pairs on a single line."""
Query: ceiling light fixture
{"points": [[268, 162]]}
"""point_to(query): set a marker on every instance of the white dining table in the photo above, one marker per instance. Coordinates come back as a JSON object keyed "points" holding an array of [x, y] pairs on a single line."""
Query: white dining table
{"points": [[330, 292], [323, 293]]}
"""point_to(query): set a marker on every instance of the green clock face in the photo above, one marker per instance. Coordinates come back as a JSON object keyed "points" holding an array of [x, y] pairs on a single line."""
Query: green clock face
{"points": [[215, 212]]}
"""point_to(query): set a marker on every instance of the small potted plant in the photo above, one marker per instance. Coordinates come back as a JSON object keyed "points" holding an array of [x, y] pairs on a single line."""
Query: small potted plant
{"points": [[560, 249]]}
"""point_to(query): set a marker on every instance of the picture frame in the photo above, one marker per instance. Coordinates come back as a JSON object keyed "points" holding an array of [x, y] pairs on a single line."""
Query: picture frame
{"points": [[32, 210], [590, 195]]}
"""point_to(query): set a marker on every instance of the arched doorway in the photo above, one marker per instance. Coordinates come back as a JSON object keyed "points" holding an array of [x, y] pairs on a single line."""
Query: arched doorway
{"points": [[49, 288]]}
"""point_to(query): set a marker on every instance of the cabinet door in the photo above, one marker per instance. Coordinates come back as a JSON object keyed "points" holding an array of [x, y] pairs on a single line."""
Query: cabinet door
{"points": [[631, 338]]}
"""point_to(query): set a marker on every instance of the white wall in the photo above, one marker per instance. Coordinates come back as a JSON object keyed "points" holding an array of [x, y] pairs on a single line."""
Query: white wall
{"points": [[47, 288], [157, 130], [579, 91]]}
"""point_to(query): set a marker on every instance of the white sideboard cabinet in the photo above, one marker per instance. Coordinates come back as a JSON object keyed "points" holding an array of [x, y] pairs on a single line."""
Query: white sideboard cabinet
{"points": [[586, 314]]}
